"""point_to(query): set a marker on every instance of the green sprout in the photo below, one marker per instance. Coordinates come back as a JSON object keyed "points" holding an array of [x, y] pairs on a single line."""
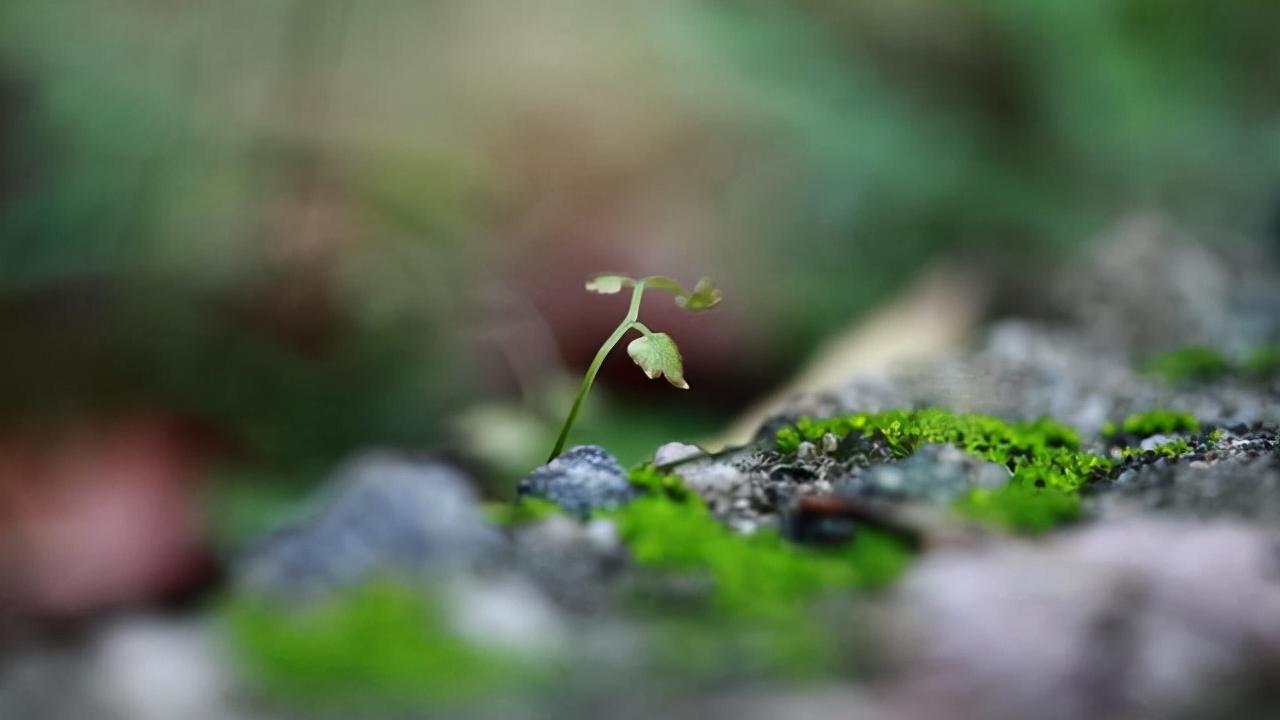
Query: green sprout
{"points": [[656, 353]]}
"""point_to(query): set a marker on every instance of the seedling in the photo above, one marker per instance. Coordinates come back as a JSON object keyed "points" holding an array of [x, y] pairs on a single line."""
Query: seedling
{"points": [[656, 353]]}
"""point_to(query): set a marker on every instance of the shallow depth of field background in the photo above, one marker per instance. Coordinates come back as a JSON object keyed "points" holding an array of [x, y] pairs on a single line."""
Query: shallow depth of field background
{"points": [[241, 239]]}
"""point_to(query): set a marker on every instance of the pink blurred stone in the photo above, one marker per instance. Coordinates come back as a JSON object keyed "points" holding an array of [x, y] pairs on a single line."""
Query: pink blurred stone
{"points": [[101, 515]]}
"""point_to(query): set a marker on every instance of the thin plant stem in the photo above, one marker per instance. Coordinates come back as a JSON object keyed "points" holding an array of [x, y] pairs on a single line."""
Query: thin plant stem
{"points": [[627, 323]]}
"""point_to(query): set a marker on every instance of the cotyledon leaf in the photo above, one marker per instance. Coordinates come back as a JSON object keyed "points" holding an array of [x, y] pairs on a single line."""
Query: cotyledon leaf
{"points": [[608, 284]]}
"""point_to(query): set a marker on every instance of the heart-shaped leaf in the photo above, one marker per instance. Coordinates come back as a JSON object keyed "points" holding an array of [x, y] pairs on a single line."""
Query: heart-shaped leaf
{"points": [[609, 284], [658, 355]]}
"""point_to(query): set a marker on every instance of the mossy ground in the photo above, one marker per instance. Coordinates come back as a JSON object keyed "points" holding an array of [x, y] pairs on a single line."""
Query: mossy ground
{"points": [[1189, 365], [1045, 458], [385, 643], [715, 604], [759, 608], [1152, 422], [753, 616], [1200, 364]]}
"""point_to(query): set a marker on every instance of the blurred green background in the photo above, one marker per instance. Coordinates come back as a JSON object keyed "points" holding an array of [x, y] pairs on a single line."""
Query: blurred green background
{"points": [[308, 226]]}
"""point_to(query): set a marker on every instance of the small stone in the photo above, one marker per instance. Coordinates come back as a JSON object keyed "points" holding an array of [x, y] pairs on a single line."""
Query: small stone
{"points": [[584, 479], [382, 514], [806, 451], [829, 443], [676, 452], [507, 614], [153, 669]]}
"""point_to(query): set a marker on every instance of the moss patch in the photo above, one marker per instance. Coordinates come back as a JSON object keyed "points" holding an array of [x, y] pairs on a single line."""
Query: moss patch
{"points": [[754, 576], [1264, 362], [1153, 422], [1199, 364], [1048, 466], [1172, 449], [757, 611], [386, 643], [1196, 363], [1042, 453], [1021, 509]]}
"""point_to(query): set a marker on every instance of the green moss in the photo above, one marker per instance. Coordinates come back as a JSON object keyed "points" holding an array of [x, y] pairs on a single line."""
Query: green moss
{"points": [[1153, 422], [757, 575], [1044, 456], [757, 612], [656, 483], [1204, 364], [1172, 449], [788, 440], [384, 643], [1196, 363], [1264, 362], [1020, 509], [1042, 453]]}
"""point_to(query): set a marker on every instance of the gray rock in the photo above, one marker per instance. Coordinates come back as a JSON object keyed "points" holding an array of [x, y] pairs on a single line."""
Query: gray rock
{"points": [[584, 479], [1135, 619], [1227, 474], [1026, 370], [1237, 488], [382, 515], [937, 474]]}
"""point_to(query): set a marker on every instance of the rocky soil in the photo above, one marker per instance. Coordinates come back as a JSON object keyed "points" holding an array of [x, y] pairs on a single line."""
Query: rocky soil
{"points": [[1162, 600]]}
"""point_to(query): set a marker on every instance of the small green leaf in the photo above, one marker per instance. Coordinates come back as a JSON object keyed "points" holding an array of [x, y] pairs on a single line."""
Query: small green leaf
{"points": [[658, 355], [659, 282], [609, 284], [705, 296]]}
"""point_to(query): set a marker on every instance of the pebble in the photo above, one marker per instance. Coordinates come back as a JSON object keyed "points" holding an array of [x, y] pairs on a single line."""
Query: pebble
{"points": [[676, 452], [508, 614], [586, 478], [379, 514], [830, 443], [1154, 441]]}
